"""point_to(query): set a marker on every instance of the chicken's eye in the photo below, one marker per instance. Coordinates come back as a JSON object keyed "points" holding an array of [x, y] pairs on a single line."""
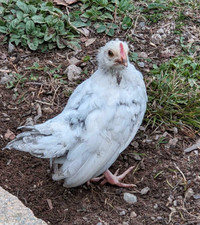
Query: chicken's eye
{"points": [[110, 53]]}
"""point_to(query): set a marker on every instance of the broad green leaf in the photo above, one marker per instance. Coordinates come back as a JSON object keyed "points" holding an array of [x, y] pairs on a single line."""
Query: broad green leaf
{"points": [[126, 23], [13, 25], [9, 17], [51, 45], [49, 34], [33, 44], [30, 27], [107, 16], [100, 27], [3, 30], [38, 19], [2, 23], [1, 9], [110, 32], [23, 6], [79, 24], [33, 9], [16, 39], [19, 15], [4, 1], [59, 43]]}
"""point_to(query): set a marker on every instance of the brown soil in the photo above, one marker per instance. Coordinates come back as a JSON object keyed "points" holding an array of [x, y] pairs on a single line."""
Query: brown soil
{"points": [[172, 176]]}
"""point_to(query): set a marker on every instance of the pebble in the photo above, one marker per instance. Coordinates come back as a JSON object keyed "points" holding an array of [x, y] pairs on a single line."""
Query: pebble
{"points": [[142, 24], [130, 198], [161, 31], [142, 55], [144, 191], [73, 72], [137, 157], [6, 78], [133, 214], [122, 213], [189, 193], [155, 206], [156, 38], [153, 218], [141, 64], [159, 218], [196, 196], [99, 223], [11, 47]]}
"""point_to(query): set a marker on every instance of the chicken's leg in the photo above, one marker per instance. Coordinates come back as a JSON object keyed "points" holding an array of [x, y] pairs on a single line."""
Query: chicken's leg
{"points": [[116, 180]]}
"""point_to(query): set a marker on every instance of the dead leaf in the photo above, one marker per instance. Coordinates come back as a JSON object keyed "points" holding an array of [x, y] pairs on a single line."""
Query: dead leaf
{"points": [[50, 204], [9, 135], [84, 31], [90, 41], [193, 147], [64, 2]]}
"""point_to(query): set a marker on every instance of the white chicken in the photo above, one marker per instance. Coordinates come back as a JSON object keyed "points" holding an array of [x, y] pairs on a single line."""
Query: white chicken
{"points": [[99, 121]]}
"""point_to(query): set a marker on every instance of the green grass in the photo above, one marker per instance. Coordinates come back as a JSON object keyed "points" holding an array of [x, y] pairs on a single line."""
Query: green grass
{"points": [[174, 94]]}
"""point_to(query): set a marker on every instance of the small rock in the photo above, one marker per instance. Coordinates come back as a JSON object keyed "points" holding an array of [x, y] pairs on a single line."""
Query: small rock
{"points": [[99, 223], [155, 206], [135, 144], [142, 55], [156, 38], [125, 223], [161, 31], [144, 191], [196, 196], [130, 198], [73, 72], [133, 214], [142, 24], [137, 157], [159, 218], [189, 193], [6, 78], [11, 47], [141, 64], [153, 218], [122, 213], [175, 203], [173, 142], [73, 61]]}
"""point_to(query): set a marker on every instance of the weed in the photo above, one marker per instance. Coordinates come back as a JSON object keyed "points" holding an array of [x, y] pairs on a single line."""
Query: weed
{"points": [[174, 95]]}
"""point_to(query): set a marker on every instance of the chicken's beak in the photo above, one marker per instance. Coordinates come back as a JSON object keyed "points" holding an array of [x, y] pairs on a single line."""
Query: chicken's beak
{"points": [[123, 61]]}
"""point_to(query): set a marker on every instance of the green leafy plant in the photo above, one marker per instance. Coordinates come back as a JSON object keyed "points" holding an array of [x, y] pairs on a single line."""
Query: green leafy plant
{"points": [[154, 11], [36, 24], [106, 16], [174, 94]]}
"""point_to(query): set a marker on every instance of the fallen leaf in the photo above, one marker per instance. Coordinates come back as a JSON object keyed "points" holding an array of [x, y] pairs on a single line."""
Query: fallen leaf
{"points": [[65, 2], [193, 147], [50, 204], [90, 41], [9, 135], [84, 31]]}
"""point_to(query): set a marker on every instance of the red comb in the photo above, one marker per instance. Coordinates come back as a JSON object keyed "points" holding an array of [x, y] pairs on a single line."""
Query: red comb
{"points": [[122, 52]]}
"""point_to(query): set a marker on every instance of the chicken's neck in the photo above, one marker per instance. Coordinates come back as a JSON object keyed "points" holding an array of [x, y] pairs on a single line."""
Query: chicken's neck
{"points": [[116, 73]]}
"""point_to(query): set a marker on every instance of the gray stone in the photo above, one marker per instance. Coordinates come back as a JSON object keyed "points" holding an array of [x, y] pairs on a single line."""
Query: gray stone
{"points": [[130, 198], [73, 72], [144, 191], [133, 214], [141, 64], [12, 211]]}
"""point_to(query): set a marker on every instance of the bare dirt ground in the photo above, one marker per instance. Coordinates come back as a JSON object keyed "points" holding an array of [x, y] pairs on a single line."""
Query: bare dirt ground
{"points": [[160, 164]]}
